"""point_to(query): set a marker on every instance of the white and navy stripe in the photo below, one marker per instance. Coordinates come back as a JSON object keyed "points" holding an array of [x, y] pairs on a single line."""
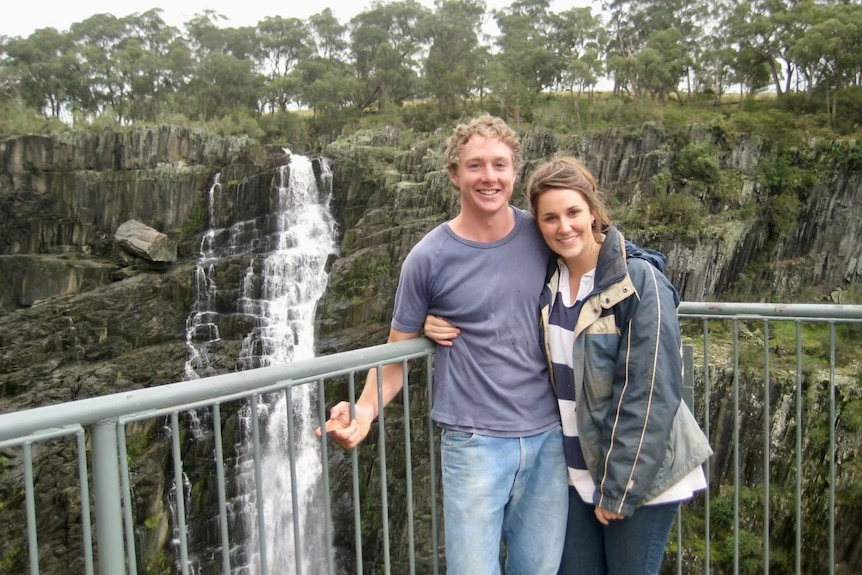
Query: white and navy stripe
{"points": [[561, 336]]}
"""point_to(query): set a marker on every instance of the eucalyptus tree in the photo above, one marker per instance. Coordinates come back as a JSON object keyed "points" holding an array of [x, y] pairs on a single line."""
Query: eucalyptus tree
{"points": [[145, 58], [714, 69], [103, 87], [454, 53], [325, 81], [527, 46], [385, 44], [329, 35], [829, 50], [750, 55], [223, 79], [638, 25], [281, 44], [241, 42], [580, 39], [224, 85], [326, 87], [761, 32], [204, 34], [711, 68], [527, 62], [484, 58], [669, 62], [41, 70]]}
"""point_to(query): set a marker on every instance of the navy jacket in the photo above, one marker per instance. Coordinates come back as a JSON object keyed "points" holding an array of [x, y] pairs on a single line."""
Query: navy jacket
{"points": [[637, 435]]}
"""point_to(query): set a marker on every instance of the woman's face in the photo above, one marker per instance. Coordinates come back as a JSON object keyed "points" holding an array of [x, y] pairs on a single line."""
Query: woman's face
{"points": [[566, 224]]}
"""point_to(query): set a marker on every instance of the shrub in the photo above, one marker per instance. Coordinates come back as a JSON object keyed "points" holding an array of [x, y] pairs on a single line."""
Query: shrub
{"points": [[697, 162]]}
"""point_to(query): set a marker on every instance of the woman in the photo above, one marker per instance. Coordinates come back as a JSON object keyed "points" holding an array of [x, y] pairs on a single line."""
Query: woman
{"points": [[611, 335]]}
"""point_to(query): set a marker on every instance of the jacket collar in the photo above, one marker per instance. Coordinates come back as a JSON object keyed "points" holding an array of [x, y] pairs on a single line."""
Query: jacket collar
{"points": [[611, 267]]}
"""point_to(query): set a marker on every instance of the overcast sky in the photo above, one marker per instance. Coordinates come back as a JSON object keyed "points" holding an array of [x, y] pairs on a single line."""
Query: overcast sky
{"points": [[23, 19]]}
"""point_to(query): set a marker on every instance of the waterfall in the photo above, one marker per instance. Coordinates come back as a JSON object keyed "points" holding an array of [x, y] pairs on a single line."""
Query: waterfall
{"points": [[282, 278], [201, 326]]}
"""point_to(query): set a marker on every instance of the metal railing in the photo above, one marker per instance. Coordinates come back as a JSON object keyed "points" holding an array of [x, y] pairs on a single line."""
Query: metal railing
{"points": [[751, 381], [106, 420], [777, 392]]}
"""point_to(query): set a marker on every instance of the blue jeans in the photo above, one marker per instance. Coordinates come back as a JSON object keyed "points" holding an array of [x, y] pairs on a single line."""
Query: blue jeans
{"points": [[631, 546], [508, 491]]}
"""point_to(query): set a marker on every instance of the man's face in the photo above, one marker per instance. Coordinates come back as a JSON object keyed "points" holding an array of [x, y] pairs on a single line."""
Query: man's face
{"points": [[485, 175]]}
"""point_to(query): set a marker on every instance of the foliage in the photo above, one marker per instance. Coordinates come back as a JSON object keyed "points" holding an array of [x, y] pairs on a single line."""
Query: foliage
{"points": [[788, 181], [16, 118], [234, 125], [697, 162], [749, 530], [160, 563], [676, 215], [699, 58], [13, 559]]}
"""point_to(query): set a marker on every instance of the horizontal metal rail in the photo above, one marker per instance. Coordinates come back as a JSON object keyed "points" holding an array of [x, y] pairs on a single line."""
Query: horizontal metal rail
{"points": [[86, 412], [785, 311]]}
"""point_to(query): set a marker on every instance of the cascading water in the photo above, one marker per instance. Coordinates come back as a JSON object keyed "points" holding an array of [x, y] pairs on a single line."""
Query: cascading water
{"points": [[279, 290], [201, 325]]}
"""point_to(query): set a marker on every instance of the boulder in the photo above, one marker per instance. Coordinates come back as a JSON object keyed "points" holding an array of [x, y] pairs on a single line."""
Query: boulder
{"points": [[142, 241]]}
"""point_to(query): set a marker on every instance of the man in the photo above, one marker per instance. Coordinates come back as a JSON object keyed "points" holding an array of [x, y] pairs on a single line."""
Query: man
{"points": [[503, 467]]}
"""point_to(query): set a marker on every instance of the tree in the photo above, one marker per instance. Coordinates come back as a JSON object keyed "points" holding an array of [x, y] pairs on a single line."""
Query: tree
{"points": [[282, 44], [326, 86], [41, 70], [384, 43], [328, 34], [636, 25], [144, 59], [204, 34], [662, 63], [223, 77], [829, 51], [223, 84], [526, 43], [453, 56], [324, 81], [528, 61], [580, 38], [102, 85]]}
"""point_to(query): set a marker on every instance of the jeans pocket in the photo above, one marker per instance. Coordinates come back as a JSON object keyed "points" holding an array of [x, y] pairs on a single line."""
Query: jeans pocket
{"points": [[453, 439]]}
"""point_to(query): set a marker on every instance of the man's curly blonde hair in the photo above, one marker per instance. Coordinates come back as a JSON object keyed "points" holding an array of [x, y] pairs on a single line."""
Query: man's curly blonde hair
{"points": [[487, 126]]}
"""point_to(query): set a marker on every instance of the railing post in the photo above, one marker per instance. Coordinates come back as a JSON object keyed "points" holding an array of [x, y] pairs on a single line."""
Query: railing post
{"points": [[688, 376], [106, 488]]}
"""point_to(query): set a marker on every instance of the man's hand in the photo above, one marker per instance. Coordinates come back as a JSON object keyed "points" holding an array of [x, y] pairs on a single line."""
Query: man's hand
{"points": [[439, 330], [346, 432], [349, 433]]}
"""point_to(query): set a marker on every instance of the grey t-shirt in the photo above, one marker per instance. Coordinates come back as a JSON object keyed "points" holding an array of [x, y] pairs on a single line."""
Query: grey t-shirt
{"points": [[494, 379]]}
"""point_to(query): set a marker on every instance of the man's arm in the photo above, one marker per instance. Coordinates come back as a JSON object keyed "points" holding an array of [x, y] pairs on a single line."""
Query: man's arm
{"points": [[350, 433]]}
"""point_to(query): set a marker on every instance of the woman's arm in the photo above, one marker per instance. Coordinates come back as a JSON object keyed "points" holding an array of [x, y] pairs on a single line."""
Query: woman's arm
{"points": [[647, 391]]}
